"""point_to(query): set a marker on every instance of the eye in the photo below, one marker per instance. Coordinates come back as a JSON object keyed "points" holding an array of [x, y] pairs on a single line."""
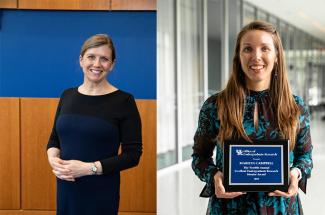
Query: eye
{"points": [[247, 49], [91, 57], [105, 59], [265, 48]]}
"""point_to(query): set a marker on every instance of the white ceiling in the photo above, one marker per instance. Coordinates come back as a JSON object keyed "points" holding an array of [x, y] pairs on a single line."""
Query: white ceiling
{"points": [[308, 15]]}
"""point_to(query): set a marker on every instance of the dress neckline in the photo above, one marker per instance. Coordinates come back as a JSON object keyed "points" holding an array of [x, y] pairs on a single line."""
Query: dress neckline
{"points": [[101, 95], [258, 94]]}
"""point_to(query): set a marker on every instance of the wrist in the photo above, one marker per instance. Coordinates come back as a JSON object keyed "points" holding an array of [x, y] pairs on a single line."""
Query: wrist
{"points": [[93, 168], [297, 173]]}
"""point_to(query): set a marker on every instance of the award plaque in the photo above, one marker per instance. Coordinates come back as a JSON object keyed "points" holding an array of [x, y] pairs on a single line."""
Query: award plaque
{"points": [[261, 166]]}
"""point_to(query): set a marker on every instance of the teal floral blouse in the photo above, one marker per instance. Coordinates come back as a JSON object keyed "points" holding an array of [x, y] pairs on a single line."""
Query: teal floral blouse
{"points": [[205, 167]]}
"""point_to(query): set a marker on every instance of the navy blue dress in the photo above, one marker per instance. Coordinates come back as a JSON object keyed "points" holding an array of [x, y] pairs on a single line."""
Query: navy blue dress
{"points": [[91, 128]]}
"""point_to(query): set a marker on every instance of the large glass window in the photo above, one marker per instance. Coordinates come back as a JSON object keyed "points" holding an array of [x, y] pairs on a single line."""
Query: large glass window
{"points": [[166, 84], [248, 13], [215, 18], [261, 15], [190, 71], [180, 77]]}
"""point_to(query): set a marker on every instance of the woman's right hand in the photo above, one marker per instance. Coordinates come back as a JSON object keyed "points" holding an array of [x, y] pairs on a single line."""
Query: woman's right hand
{"points": [[59, 170], [220, 189]]}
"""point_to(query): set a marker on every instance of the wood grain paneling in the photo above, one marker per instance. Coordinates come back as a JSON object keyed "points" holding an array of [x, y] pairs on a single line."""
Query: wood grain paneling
{"points": [[65, 4], [134, 4], [138, 185], [38, 182], [8, 3], [9, 154], [23, 212], [34, 212]]}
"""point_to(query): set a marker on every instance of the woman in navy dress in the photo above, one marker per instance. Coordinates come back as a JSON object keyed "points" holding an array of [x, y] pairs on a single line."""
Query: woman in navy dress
{"points": [[257, 104], [91, 122]]}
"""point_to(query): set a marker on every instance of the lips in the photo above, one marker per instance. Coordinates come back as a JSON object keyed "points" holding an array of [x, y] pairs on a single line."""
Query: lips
{"points": [[95, 71], [256, 67]]}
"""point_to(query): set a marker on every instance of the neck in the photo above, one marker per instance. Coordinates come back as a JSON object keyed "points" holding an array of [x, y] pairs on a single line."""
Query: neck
{"points": [[91, 88], [260, 86]]}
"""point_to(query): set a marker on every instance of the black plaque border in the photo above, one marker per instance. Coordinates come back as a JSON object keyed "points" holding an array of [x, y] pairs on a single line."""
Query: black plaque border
{"points": [[255, 187]]}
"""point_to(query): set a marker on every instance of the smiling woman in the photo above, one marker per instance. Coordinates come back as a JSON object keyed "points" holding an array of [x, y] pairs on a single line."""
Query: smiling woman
{"points": [[97, 59], [257, 58], [257, 104], [89, 125]]}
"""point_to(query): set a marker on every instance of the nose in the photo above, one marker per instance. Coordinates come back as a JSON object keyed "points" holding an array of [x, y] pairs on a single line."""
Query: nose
{"points": [[97, 62], [257, 54]]}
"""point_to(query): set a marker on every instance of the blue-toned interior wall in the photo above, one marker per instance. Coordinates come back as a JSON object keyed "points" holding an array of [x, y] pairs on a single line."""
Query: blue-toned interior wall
{"points": [[39, 50]]}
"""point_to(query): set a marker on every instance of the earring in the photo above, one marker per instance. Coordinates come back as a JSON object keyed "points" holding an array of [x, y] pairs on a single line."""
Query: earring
{"points": [[276, 70], [276, 74]]}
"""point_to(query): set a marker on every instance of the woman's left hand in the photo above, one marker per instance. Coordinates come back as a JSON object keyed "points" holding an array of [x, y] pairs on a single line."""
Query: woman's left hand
{"points": [[293, 188]]}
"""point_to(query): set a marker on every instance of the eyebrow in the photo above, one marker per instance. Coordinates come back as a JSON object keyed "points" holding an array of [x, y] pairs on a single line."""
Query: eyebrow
{"points": [[269, 44], [97, 55]]}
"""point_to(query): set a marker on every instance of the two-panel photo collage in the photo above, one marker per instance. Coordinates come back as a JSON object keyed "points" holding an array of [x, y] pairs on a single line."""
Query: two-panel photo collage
{"points": [[162, 107]]}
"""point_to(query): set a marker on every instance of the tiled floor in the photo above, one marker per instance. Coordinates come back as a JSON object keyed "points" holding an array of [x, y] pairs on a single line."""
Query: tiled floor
{"points": [[179, 188]]}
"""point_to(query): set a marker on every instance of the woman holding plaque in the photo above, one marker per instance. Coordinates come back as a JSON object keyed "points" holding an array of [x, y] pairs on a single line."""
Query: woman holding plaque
{"points": [[257, 104]]}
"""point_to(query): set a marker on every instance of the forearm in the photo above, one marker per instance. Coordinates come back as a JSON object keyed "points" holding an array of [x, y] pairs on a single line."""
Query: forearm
{"points": [[202, 162], [129, 158], [53, 152], [205, 169]]}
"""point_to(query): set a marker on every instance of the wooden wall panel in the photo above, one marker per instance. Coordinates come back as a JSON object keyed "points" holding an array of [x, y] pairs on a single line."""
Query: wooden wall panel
{"points": [[8, 3], [138, 185], [23, 212], [34, 212], [38, 181], [134, 4], [65, 4], [9, 154]]}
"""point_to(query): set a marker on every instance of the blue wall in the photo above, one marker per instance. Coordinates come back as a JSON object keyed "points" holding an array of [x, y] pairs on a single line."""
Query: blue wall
{"points": [[39, 50]]}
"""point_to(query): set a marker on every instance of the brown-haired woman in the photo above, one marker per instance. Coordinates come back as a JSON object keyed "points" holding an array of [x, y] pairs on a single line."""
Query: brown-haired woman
{"points": [[257, 104], [90, 123]]}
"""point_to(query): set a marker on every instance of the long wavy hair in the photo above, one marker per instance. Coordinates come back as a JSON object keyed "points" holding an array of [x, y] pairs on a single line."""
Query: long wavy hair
{"points": [[230, 101]]}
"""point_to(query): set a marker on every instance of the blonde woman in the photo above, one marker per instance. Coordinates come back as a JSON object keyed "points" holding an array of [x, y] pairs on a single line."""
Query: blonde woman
{"points": [[257, 104], [90, 123]]}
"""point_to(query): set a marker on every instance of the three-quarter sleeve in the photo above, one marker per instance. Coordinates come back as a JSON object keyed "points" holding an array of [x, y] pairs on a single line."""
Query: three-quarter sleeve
{"points": [[204, 145], [130, 137], [54, 140], [303, 148]]}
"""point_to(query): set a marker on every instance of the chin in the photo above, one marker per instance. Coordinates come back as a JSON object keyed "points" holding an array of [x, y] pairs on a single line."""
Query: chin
{"points": [[95, 80]]}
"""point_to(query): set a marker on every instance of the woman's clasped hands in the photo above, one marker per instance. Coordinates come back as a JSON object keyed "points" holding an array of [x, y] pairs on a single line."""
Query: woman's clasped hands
{"points": [[69, 170]]}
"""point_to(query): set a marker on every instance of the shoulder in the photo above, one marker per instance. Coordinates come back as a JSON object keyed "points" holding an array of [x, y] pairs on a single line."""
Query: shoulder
{"points": [[123, 101], [124, 97], [210, 103], [300, 102], [68, 91], [303, 107]]}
